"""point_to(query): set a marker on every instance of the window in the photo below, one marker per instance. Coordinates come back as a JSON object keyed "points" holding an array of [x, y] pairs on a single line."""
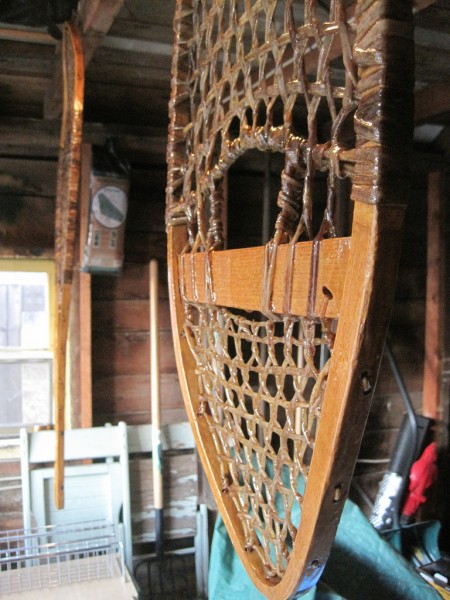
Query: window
{"points": [[26, 358]]}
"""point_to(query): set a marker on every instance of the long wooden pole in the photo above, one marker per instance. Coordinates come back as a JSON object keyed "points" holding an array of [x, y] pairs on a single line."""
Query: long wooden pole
{"points": [[155, 406], [66, 228], [434, 307]]}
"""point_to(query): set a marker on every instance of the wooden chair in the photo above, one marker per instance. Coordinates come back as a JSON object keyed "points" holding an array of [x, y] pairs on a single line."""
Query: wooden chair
{"points": [[97, 487], [121, 458]]}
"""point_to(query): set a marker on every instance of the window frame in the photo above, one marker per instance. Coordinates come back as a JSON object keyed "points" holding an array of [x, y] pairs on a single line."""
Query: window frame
{"points": [[37, 265]]}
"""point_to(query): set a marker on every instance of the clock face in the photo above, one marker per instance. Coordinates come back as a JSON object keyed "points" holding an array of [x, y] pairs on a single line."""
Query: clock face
{"points": [[110, 206]]}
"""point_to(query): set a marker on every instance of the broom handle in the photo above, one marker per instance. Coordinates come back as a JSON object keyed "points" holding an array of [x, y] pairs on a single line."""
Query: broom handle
{"points": [[155, 404]]}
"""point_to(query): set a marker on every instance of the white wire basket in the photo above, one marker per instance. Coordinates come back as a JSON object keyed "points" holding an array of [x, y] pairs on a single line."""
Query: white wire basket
{"points": [[54, 556]]}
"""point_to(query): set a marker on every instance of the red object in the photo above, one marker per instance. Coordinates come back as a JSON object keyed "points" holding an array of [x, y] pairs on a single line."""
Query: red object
{"points": [[422, 475]]}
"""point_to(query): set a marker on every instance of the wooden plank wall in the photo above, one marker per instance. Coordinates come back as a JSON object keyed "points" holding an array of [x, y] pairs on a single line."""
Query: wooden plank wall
{"points": [[120, 336], [120, 313], [120, 316], [406, 338], [120, 323], [27, 206]]}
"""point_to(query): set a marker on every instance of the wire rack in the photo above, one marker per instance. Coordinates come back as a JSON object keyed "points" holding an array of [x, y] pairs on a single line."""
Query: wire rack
{"points": [[44, 557]]}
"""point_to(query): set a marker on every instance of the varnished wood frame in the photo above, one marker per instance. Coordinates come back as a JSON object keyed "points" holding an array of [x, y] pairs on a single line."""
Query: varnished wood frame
{"points": [[229, 269], [368, 290], [66, 224]]}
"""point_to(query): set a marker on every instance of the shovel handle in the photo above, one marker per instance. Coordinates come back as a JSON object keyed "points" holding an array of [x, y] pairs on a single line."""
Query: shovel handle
{"points": [[155, 388]]}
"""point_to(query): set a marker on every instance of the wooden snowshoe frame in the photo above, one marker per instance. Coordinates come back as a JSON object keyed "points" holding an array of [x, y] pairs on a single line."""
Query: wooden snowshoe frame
{"points": [[66, 224], [278, 347]]}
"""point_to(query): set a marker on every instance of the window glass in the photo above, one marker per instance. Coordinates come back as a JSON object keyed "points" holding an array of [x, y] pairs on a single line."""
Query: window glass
{"points": [[26, 359]]}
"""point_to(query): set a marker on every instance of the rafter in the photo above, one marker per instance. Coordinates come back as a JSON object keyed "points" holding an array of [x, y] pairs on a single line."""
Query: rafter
{"points": [[95, 18]]}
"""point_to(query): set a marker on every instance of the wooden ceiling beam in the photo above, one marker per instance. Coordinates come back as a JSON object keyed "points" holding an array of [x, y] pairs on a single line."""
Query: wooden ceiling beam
{"points": [[139, 46], [41, 138], [95, 18], [26, 35]]}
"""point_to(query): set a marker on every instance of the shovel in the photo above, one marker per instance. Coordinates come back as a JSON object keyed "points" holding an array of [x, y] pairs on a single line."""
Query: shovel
{"points": [[166, 575]]}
